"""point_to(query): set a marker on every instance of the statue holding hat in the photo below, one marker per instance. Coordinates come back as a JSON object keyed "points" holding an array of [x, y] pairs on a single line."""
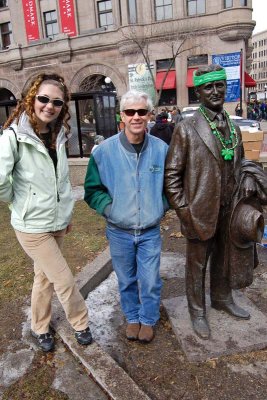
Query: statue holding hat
{"points": [[218, 197]]}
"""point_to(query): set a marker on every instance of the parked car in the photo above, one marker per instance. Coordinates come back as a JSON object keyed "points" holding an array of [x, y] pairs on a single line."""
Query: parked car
{"points": [[188, 111], [244, 124]]}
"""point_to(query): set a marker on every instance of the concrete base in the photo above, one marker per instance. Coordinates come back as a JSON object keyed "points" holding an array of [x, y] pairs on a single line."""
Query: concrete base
{"points": [[78, 168], [100, 366], [228, 334]]}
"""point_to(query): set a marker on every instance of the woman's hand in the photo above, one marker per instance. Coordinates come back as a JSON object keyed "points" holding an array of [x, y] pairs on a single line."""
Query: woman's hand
{"points": [[69, 228]]}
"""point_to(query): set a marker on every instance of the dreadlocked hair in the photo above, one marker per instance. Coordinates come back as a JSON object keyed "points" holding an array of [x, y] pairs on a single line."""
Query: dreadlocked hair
{"points": [[26, 103]]}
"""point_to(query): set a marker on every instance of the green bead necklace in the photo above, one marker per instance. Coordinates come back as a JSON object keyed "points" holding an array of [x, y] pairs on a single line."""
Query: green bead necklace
{"points": [[227, 152]]}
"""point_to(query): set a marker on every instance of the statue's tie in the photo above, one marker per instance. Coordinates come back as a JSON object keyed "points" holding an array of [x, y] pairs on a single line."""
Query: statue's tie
{"points": [[221, 124]]}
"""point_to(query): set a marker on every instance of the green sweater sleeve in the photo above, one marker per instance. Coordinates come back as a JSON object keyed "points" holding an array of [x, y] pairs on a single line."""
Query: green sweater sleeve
{"points": [[96, 194]]}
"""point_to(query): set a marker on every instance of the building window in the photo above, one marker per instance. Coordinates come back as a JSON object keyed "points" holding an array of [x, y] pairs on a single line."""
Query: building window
{"points": [[243, 3], [3, 3], [228, 3], [132, 12], [168, 97], [51, 24], [195, 7], [6, 35], [163, 9], [105, 16], [163, 65], [200, 59]]}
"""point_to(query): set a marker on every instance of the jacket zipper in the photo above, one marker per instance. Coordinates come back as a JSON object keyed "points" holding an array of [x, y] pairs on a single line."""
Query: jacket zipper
{"points": [[37, 140]]}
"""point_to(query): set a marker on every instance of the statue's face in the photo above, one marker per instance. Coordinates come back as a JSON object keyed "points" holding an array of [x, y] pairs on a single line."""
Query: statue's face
{"points": [[212, 94]]}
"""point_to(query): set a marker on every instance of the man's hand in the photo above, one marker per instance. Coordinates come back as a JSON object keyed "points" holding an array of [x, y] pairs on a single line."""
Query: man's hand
{"points": [[249, 186]]}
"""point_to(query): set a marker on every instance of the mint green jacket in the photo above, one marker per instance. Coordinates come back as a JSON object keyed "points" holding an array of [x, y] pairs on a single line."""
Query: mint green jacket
{"points": [[40, 198]]}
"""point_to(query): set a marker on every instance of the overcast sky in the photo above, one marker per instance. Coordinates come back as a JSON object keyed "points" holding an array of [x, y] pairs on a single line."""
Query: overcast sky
{"points": [[259, 15]]}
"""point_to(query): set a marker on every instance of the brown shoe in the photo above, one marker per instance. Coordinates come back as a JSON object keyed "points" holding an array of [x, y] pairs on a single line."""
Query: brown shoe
{"points": [[146, 334], [132, 331]]}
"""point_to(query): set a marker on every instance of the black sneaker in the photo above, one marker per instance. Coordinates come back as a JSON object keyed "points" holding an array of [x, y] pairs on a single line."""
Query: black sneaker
{"points": [[84, 337], [45, 341]]}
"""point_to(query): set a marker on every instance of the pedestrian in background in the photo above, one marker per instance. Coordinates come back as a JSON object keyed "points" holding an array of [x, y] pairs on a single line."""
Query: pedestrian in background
{"points": [[162, 128], [97, 140], [238, 110], [151, 122], [118, 120], [176, 116], [34, 179], [124, 183]]}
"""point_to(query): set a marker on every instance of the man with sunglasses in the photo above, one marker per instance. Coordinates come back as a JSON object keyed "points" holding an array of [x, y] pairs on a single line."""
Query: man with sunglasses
{"points": [[124, 183]]}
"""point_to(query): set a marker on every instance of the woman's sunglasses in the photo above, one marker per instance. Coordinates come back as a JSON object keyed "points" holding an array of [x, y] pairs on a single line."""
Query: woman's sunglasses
{"points": [[46, 100], [131, 112]]}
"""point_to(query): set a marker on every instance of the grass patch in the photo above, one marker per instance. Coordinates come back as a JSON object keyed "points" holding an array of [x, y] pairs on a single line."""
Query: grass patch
{"points": [[36, 384], [83, 244], [87, 239], [15, 265]]}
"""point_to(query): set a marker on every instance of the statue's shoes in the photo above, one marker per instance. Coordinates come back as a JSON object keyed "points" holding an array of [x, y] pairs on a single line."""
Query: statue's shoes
{"points": [[231, 309], [201, 327]]}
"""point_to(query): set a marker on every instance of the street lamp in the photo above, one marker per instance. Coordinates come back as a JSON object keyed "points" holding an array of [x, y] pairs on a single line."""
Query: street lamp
{"points": [[108, 82], [265, 91]]}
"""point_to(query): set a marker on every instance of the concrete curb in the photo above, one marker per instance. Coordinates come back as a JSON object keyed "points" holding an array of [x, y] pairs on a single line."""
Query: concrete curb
{"points": [[101, 367]]}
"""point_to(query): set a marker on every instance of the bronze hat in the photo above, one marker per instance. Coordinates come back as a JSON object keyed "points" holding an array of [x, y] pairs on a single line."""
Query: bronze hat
{"points": [[247, 223]]}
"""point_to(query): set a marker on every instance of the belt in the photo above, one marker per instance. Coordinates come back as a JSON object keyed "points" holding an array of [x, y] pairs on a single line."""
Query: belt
{"points": [[135, 232]]}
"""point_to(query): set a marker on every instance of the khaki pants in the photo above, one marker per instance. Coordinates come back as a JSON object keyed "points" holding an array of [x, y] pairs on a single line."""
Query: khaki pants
{"points": [[52, 272]]}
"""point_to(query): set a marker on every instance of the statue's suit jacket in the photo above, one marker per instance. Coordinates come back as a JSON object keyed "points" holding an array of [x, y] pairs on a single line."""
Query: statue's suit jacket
{"points": [[193, 176]]}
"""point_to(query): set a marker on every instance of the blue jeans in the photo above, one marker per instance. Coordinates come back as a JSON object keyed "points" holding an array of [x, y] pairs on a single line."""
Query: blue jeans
{"points": [[136, 262]]}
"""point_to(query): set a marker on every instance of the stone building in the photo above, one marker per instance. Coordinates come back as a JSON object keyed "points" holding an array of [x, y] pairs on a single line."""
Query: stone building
{"points": [[259, 64], [89, 40]]}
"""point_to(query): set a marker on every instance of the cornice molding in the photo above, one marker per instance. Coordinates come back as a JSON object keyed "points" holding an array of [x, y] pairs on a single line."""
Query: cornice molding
{"points": [[231, 32]]}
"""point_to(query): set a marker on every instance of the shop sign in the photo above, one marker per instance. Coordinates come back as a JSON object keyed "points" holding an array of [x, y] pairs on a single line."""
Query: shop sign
{"points": [[141, 80], [231, 63]]}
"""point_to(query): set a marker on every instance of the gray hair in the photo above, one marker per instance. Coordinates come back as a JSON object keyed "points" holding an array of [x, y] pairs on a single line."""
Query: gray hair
{"points": [[133, 96]]}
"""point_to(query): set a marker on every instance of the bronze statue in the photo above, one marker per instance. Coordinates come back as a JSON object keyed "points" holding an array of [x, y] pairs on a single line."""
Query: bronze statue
{"points": [[217, 194]]}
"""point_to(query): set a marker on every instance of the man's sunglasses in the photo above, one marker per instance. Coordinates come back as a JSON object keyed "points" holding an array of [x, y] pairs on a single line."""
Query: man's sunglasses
{"points": [[46, 100], [131, 112]]}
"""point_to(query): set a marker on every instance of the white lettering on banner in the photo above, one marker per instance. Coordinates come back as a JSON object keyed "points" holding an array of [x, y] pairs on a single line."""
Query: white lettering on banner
{"points": [[31, 14], [68, 8]]}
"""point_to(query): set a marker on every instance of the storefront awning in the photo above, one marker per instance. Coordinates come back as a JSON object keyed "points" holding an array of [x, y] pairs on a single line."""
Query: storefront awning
{"points": [[170, 82], [189, 81], [249, 81]]}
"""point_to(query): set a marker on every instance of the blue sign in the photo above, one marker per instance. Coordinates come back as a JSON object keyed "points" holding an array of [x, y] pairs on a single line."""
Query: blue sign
{"points": [[231, 63]]}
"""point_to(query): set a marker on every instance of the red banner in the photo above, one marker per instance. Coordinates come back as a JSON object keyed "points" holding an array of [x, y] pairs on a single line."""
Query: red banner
{"points": [[67, 15], [30, 19]]}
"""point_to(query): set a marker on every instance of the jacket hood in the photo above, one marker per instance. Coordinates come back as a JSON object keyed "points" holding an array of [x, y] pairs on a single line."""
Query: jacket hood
{"points": [[24, 127]]}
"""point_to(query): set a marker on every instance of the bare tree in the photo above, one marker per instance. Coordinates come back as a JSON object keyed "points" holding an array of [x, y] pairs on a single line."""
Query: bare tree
{"points": [[138, 40]]}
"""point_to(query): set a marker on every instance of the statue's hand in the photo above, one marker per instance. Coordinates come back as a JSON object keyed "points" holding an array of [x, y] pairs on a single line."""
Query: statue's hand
{"points": [[249, 186]]}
